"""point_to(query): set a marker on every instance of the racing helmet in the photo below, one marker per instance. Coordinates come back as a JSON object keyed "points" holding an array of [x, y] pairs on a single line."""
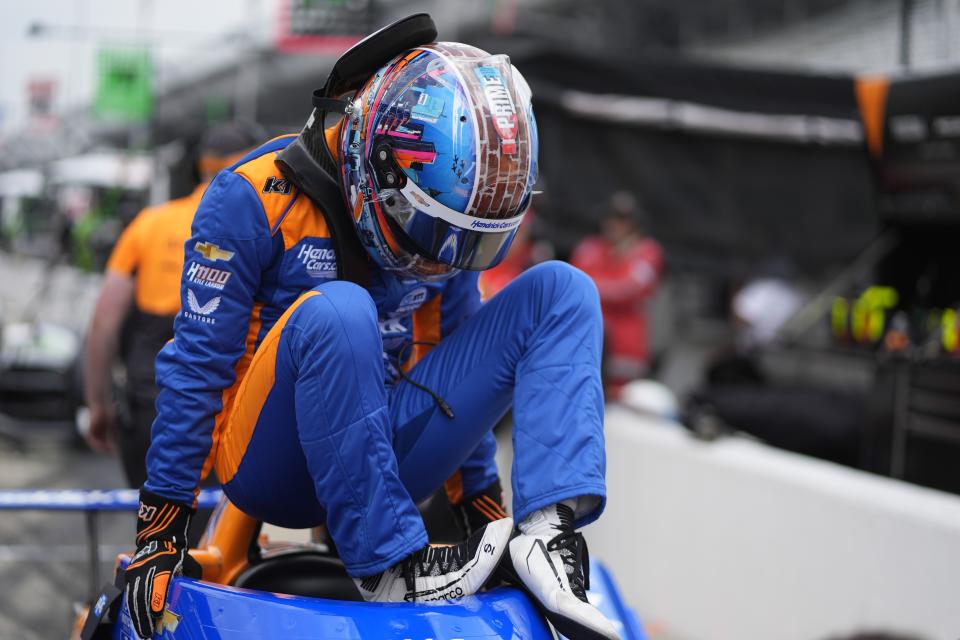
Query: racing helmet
{"points": [[438, 157]]}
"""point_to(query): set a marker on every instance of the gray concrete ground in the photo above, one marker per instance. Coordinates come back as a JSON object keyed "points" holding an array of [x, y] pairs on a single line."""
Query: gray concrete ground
{"points": [[43, 555]]}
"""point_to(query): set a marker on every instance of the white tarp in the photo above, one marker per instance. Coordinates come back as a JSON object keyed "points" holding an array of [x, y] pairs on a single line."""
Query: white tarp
{"points": [[21, 183], [104, 169]]}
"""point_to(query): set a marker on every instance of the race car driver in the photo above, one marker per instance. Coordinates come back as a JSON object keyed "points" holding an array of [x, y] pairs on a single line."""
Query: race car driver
{"points": [[320, 400], [138, 300]]}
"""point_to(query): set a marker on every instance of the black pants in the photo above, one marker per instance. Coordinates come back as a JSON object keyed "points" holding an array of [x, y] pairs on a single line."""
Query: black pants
{"points": [[133, 434], [143, 337], [134, 441]]}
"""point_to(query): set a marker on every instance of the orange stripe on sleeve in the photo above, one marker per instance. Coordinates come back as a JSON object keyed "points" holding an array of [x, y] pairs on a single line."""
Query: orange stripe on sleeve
{"points": [[479, 506], [229, 394], [493, 505]]}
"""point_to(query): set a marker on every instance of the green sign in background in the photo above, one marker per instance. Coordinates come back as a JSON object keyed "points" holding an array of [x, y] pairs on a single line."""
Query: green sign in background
{"points": [[124, 86]]}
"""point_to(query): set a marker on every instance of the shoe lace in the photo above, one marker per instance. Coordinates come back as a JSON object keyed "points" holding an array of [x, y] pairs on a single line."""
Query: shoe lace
{"points": [[433, 561], [576, 559]]}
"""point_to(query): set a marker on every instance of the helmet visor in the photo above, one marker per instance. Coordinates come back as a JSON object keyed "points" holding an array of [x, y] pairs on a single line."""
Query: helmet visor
{"points": [[421, 225]]}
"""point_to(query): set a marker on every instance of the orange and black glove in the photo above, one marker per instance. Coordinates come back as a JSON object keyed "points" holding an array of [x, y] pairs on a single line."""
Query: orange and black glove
{"points": [[161, 555], [476, 511]]}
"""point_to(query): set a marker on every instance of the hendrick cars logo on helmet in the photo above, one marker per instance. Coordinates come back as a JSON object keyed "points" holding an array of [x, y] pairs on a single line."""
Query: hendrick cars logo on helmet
{"points": [[504, 225]]}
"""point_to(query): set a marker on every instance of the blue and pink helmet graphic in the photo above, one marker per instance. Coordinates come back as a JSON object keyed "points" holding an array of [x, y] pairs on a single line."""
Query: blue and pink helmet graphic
{"points": [[439, 159]]}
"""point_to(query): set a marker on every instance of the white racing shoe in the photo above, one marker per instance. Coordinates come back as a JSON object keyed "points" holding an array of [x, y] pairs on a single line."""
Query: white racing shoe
{"points": [[441, 572], [550, 559]]}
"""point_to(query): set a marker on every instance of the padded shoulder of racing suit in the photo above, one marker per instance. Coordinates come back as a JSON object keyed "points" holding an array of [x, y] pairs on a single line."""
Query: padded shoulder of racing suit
{"points": [[281, 172], [275, 191]]}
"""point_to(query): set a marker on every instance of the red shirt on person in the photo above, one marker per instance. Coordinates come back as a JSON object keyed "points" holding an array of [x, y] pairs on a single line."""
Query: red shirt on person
{"points": [[626, 273]]}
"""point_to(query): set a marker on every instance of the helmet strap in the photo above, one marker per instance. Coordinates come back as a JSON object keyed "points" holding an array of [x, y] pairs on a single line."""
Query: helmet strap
{"points": [[329, 105]]}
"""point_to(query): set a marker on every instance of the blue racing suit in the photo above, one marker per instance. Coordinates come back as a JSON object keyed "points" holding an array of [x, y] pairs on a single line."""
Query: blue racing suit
{"points": [[285, 379]]}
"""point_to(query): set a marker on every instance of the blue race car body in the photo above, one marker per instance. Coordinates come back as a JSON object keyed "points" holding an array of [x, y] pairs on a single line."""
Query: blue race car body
{"points": [[200, 610], [246, 582]]}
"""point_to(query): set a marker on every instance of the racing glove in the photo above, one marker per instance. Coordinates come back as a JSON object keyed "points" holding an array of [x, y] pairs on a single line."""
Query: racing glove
{"points": [[161, 555], [478, 510]]}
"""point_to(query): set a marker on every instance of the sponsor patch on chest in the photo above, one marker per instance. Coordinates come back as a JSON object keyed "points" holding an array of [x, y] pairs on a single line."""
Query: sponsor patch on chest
{"points": [[411, 302], [318, 257]]}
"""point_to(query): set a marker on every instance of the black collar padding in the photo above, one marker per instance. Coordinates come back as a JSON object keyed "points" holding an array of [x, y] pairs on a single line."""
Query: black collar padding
{"points": [[299, 166]]}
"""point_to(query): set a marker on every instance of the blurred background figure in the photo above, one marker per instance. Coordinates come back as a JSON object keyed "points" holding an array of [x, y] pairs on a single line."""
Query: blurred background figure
{"points": [[765, 303], [759, 308], [625, 264], [138, 301]]}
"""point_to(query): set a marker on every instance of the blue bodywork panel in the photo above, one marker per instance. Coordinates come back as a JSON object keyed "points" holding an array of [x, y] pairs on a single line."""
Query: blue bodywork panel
{"points": [[199, 610], [208, 611]]}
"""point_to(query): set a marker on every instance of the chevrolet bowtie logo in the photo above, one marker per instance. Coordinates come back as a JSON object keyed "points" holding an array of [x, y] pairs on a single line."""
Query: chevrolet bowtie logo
{"points": [[212, 252], [169, 621]]}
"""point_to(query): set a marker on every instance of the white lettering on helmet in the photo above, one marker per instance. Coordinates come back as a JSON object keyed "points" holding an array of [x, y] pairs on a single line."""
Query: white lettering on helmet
{"points": [[501, 106], [435, 209], [495, 225]]}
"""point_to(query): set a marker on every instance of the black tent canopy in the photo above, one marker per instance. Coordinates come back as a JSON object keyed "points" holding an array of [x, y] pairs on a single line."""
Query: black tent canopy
{"points": [[735, 166]]}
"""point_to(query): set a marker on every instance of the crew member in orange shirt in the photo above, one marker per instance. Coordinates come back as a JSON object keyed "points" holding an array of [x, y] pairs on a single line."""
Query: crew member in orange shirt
{"points": [[142, 287]]}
